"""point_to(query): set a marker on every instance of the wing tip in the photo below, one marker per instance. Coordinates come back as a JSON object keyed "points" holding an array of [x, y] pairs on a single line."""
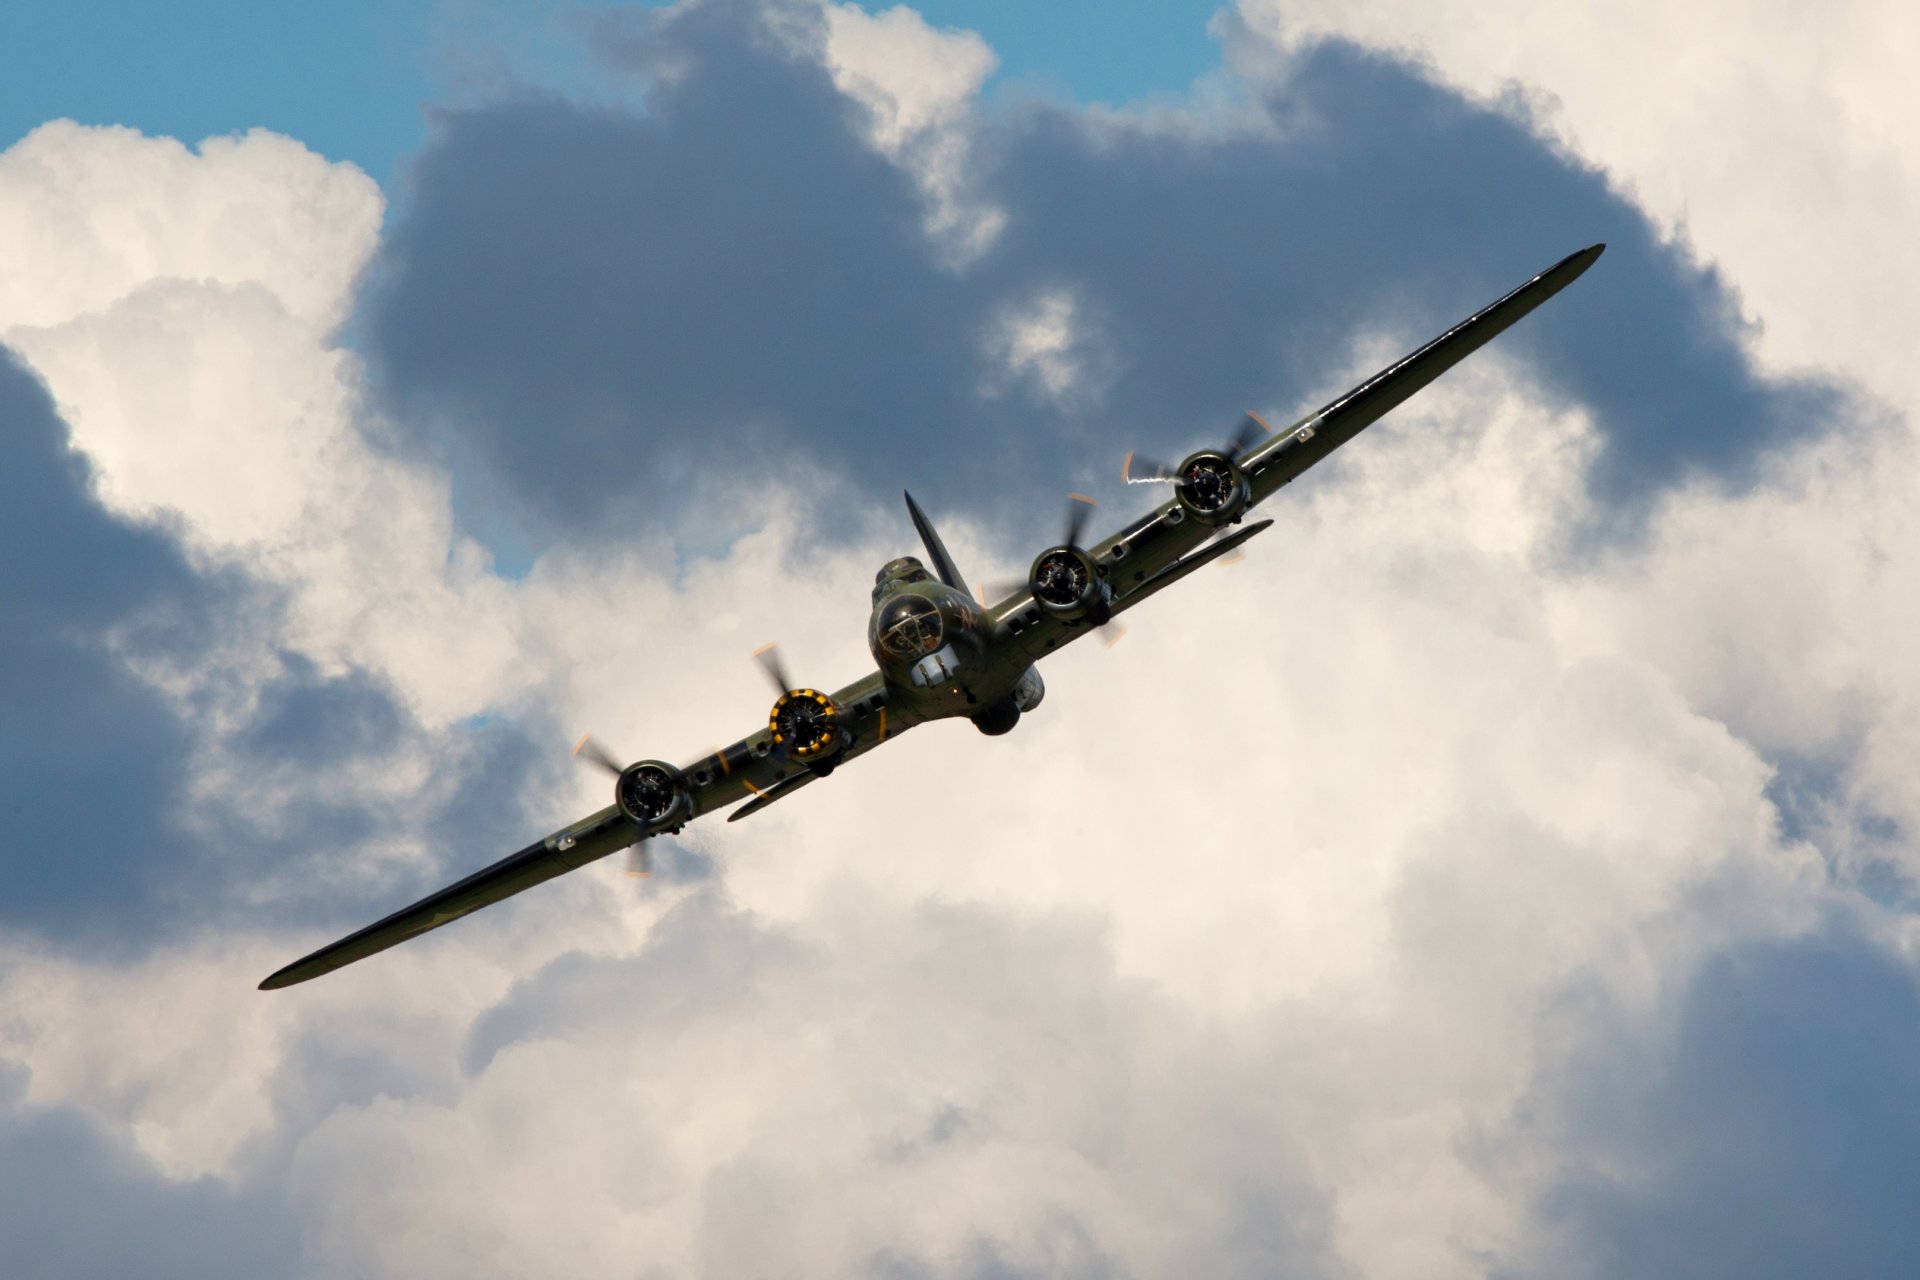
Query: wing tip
{"points": [[305, 969], [1564, 272]]}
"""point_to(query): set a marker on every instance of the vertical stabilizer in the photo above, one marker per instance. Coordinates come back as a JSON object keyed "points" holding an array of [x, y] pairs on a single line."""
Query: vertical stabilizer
{"points": [[943, 567]]}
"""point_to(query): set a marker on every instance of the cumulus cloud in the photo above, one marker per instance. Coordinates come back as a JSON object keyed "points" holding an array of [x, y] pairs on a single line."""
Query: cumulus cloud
{"points": [[1759, 145], [1763, 1124], [918, 86], [81, 1202], [582, 304], [1769, 142], [1050, 343], [865, 1128], [1388, 904], [220, 422], [76, 581], [111, 210]]}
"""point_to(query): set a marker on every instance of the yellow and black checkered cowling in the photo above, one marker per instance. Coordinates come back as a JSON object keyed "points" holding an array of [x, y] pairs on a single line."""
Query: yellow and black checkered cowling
{"points": [[805, 724]]}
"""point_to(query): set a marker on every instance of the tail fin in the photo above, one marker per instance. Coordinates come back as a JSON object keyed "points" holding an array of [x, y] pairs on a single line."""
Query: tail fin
{"points": [[936, 550]]}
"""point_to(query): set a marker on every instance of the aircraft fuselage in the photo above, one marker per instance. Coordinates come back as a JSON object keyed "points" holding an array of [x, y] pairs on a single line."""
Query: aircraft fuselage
{"points": [[934, 646]]}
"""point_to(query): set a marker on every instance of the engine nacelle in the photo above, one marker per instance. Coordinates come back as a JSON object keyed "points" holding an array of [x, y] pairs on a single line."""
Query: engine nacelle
{"points": [[1003, 715], [805, 725], [1067, 583], [1029, 690], [1211, 487], [653, 794]]}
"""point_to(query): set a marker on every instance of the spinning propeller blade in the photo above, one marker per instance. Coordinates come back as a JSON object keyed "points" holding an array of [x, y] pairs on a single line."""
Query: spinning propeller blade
{"points": [[639, 861], [768, 656], [1079, 511], [1140, 469], [1252, 430], [1000, 588], [1149, 471], [593, 751]]}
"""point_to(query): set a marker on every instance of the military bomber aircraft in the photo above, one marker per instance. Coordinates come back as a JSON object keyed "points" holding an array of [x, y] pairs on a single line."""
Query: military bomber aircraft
{"points": [[944, 652]]}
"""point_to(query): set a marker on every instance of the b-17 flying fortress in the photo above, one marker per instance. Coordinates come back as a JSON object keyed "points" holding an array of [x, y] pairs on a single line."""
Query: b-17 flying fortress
{"points": [[944, 652]]}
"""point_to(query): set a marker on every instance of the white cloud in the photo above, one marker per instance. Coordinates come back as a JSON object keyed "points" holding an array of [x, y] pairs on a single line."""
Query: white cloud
{"points": [[1051, 342], [1771, 143], [184, 327], [91, 214], [917, 86], [1773, 137]]}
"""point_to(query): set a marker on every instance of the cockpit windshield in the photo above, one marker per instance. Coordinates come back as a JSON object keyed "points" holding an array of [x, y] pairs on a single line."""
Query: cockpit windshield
{"points": [[896, 573], [910, 627]]}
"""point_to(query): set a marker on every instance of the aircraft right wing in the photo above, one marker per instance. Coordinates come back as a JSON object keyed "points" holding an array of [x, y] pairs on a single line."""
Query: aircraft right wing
{"points": [[1281, 459], [1163, 546]]}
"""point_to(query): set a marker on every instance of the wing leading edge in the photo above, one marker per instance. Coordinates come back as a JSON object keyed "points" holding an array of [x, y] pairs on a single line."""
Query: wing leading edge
{"points": [[563, 851], [1307, 441], [747, 768]]}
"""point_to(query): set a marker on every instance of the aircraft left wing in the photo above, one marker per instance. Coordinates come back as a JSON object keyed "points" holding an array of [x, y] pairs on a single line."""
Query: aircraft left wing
{"points": [[565, 850], [748, 768]]}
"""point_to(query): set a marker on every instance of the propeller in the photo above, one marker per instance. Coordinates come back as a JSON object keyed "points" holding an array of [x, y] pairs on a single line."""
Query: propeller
{"points": [[1140, 469], [1151, 471], [594, 751], [1079, 511], [768, 656], [1252, 430], [639, 862], [805, 723]]}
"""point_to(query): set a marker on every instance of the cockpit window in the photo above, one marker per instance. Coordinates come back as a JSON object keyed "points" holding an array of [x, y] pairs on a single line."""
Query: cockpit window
{"points": [[910, 627], [897, 573]]}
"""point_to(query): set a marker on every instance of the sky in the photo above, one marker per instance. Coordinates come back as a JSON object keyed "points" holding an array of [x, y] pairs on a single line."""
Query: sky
{"points": [[1506, 870], [356, 81]]}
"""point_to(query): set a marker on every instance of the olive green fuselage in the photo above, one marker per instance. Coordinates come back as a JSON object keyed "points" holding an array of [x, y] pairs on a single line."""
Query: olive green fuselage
{"points": [[935, 648]]}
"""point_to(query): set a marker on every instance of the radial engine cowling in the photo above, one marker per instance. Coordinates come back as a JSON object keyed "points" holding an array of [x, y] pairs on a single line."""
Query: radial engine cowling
{"points": [[653, 794], [1211, 487], [806, 724], [1067, 583]]}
